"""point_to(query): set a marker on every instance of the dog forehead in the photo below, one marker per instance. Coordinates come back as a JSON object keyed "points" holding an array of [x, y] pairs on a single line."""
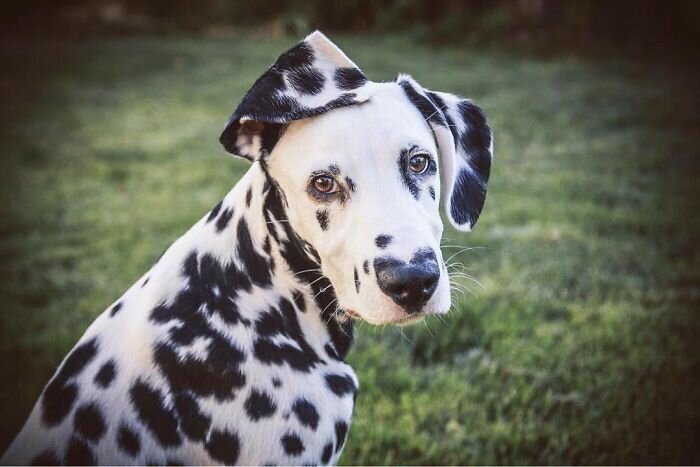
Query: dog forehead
{"points": [[383, 126]]}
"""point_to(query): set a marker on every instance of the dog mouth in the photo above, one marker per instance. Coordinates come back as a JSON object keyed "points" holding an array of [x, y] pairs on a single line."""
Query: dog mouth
{"points": [[404, 320]]}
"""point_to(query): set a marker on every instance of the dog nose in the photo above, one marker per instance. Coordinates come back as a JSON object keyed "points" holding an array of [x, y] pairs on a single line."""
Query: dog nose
{"points": [[409, 285]]}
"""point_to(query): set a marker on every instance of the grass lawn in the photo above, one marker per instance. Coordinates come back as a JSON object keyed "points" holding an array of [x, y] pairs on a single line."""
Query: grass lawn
{"points": [[582, 345]]}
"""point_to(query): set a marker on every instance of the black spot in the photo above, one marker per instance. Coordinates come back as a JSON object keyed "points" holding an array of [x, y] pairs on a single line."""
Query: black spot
{"points": [[259, 405], [382, 241], [46, 458], [304, 262], [224, 219], [426, 107], [334, 169], [145, 282], [79, 453], [106, 375], [306, 80], [298, 56], [341, 430], [60, 394], [292, 444], [215, 211], [248, 197], [256, 266], [276, 382], [88, 422], [224, 446], [283, 321], [340, 384], [327, 453], [365, 267], [218, 375], [350, 183], [152, 412], [128, 440], [357, 281], [431, 191], [299, 300], [322, 218], [331, 352], [115, 309], [349, 78], [193, 422], [306, 413]]}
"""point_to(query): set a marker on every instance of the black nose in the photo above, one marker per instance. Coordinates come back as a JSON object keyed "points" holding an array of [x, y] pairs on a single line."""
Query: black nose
{"points": [[409, 285]]}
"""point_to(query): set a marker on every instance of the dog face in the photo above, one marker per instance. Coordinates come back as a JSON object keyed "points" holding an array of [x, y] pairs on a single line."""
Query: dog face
{"points": [[359, 164]]}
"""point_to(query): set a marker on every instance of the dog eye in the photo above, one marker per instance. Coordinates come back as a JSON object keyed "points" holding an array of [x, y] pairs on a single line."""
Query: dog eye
{"points": [[324, 184], [418, 163]]}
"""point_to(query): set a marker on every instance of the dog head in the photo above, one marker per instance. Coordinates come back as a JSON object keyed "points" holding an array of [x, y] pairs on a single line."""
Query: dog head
{"points": [[362, 166]]}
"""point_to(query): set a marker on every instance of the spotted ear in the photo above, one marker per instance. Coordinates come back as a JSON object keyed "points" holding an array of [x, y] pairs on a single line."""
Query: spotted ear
{"points": [[465, 143], [311, 78]]}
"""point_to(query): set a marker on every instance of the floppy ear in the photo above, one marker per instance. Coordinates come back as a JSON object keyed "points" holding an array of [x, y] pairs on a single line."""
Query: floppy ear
{"points": [[311, 78], [465, 143]]}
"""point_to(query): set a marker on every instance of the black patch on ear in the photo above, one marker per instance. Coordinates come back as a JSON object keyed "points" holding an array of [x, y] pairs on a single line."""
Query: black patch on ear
{"points": [[431, 191], [306, 80], [365, 267], [298, 56], [426, 107], [382, 241], [322, 218], [468, 198], [215, 211], [357, 282], [350, 183], [224, 219], [348, 78]]}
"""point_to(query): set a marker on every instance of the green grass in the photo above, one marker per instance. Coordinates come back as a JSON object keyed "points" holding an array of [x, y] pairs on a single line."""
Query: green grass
{"points": [[580, 348]]}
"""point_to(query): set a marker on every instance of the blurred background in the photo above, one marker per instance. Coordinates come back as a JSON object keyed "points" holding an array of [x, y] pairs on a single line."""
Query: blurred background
{"points": [[575, 335]]}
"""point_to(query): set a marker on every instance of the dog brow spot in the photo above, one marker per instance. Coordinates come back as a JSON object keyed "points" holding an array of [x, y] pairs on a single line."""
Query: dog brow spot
{"points": [[322, 218], [334, 169], [382, 241], [365, 267], [350, 183]]}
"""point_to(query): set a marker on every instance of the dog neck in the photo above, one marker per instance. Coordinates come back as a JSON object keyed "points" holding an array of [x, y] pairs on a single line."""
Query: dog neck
{"points": [[266, 245]]}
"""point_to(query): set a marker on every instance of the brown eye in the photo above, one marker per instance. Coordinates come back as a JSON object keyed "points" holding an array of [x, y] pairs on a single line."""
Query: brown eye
{"points": [[324, 184], [418, 163]]}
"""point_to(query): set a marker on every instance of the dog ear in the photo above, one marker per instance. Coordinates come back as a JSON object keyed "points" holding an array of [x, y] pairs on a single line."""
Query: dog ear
{"points": [[465, 143], [311, 78]]}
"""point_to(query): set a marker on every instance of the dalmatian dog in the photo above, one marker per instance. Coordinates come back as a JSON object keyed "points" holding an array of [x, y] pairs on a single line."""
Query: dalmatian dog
{"points": [[231, 348]]}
